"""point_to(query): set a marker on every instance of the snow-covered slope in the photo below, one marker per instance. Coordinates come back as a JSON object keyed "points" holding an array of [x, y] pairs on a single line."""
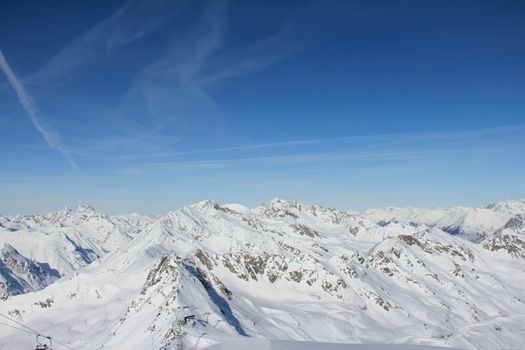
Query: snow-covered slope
{"points": [[212, 276], [267, 344], [65, 240]]}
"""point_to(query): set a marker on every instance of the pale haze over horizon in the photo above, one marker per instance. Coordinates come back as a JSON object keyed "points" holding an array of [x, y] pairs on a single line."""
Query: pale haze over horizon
{"points": [[145, 106]]}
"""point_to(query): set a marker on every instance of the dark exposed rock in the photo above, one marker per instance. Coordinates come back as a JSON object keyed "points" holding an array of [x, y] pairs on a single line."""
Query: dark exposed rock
{"points": [[509, 238], [431, 247], [46, 303], [296, 276], [255, 264], [411, 240], [165, 265], [315, 245], [512, 244], [305, 230], [203, 257]]}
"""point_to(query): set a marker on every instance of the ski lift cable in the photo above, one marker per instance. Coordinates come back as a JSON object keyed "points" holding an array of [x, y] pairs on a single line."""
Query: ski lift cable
{"points": [[21, 324], [31, 330], [18, 328]]}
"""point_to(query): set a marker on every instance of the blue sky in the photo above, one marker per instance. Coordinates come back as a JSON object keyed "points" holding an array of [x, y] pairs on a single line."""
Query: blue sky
{"points": [[149, 105]]}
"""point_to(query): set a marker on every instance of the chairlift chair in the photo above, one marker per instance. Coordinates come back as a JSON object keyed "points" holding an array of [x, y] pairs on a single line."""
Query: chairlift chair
{"points": [[43, 343]]}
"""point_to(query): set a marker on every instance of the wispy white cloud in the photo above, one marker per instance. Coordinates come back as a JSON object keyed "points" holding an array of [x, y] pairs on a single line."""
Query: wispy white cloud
{"points": [[50, 136], [295, 35], [377, 139], [173, 90], [292, 36], [380, 155], [175, 86], [169, 85], [402, 150], [129, 23]]}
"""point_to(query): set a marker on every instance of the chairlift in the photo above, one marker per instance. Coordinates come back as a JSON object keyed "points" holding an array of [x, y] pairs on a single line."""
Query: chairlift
{"points": [[43, 342], [188, 318]]}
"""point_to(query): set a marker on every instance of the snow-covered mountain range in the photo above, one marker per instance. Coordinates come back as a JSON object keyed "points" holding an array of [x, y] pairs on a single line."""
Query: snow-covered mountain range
{"points": [[212, 276], [38, 249]]}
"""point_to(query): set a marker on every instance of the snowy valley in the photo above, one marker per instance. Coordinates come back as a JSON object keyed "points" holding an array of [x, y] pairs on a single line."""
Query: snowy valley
{"points": [[284, 275]]}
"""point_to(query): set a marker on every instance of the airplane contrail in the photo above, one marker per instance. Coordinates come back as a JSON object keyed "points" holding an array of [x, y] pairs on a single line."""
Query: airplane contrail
{"points": [[50, 136]]}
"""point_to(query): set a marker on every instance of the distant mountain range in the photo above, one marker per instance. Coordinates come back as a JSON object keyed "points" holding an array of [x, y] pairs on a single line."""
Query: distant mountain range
{"points": [[65, 240], [212, 276]]}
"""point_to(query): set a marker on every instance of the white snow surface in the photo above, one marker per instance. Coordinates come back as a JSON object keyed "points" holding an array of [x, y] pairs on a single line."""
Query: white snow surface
{"points": [[281, 276]]}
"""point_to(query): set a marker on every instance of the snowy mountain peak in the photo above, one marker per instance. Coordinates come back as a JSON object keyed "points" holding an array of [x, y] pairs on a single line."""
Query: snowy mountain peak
{"points": [[510, 206], [84, 208], [279, 203], [204, 205]]}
